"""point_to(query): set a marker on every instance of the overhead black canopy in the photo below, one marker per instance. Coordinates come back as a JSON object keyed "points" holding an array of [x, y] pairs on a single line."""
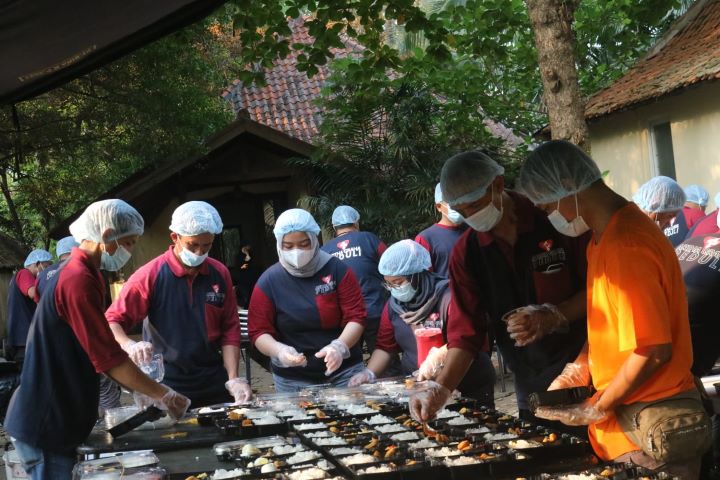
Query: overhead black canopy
{"points": [[45, 43]]}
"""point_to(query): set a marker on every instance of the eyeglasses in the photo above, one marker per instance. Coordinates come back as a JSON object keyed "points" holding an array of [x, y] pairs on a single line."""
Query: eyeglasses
{"points": [[392, 286]]}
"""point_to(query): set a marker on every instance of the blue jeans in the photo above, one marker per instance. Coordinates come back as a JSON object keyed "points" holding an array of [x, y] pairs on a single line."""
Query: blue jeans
{"points": [[339, 379], [44, 465]]}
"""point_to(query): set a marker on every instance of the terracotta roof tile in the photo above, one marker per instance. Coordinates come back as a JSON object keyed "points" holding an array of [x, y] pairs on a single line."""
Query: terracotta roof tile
{"points": [[692, 55], [287, 102]]}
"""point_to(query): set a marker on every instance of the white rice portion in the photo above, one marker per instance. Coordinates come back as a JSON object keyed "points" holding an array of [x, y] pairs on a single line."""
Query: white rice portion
{"points": [[286, 449], [405, 437], [380, 469], [320, 434], [520, 444], [391, 428], [358, 409], [443, 452], [424, 443], [379, 420], [267, 420], [457, 462], [460, 421], [495, 437], [308, 474], [475, 431], [330, 441], [445, 413], [345, 451], [222, 474], [301, 457], [310, 426], [358, 459]]}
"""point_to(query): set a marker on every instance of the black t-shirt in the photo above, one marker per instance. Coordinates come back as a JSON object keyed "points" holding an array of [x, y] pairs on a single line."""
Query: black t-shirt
{"points": [[700, 264]]}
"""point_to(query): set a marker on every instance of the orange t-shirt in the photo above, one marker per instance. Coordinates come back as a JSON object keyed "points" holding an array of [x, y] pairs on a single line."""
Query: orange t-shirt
{"points": [[636, 298]]}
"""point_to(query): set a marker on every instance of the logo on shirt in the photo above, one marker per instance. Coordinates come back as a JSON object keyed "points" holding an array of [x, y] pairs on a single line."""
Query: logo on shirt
{"points": [[705, 255], [710, 242], [328, 286], [343, 245], [433, 321], [346, 251], [549, 261], [215, 297], [546, 244], [216, 288], [672, 230]]}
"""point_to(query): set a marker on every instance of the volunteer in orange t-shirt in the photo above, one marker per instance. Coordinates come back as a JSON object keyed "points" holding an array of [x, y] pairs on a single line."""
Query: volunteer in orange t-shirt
{"points": [[638, 331]]}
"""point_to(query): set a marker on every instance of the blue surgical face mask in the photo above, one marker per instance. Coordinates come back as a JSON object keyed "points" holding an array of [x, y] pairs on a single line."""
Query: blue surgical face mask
{"points": [[404, 293], [114, 262], [190, 259], [454, 216]]}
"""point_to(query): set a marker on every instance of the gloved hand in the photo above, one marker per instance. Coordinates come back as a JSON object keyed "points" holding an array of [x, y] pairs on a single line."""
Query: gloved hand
{"points": [[334, 354], [287, 357], [366, 376], [172, 402], [426, 403], [433, 363], [531, 323], [239, 389], [573, 375], [139, 352], [585, 413]]}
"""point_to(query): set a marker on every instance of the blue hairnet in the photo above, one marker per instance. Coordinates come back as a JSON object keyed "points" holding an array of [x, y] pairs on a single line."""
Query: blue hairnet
{"points": [[38, 255], [438, 193], [717, 200], [660, 194], [100, 216], [65, 245], [404, 258], [196, 218], [555, 170], [466, 176], [345, 215], [295, 220], [697, 194]]}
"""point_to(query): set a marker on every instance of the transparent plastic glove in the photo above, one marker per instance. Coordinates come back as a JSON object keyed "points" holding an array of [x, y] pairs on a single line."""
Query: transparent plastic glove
{"points": [[366, 376], [287, 357], [174, 403], [581, 414], [433, 363], [531, 323], [334, 354], [426, 403], [573, 375], [139, 352], [239, 389]]}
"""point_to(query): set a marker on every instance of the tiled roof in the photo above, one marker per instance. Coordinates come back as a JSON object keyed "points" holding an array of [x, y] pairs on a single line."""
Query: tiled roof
{"points": [[688, 54], [287, 102]]}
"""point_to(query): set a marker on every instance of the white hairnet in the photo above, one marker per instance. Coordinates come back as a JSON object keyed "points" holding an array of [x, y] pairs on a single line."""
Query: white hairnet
{"points": [[404, 258], [65, 245], [38, 255], [438, 193], [466, 176], [295, 220], [100, 216], [555, 170], [345, 215], [660, 194], [195, 218], [697, 194]]}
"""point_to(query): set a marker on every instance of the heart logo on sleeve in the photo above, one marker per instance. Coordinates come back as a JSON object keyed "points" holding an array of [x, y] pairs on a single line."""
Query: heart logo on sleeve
{"points": [[327, 279], [343, 245]]}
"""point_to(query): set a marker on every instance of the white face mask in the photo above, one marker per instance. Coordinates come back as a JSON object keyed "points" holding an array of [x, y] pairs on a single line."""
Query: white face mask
{"points": [[575, 228], [114, 262], [191, 259], [454, 217], [485, 220], [297, 257]]}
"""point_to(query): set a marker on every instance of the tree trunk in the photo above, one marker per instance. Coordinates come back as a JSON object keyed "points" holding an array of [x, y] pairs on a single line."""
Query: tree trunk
{"points": [[14, 218], [555, 41]]}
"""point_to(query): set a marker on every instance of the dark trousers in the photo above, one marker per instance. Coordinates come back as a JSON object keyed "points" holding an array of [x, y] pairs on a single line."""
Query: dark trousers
{"points": [[479, 381]]}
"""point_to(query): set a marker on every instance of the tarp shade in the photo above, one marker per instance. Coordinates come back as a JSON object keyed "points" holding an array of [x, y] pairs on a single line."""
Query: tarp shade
{"points": [[45, 43]]}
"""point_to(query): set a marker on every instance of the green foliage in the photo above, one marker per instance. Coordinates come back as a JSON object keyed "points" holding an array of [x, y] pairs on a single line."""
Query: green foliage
{"points": [[383, 145], [76, 142]]}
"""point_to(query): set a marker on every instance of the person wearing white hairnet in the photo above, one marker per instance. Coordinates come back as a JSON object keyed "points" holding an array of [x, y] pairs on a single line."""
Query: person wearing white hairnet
{"points": [[22, 292], [693, 210], [62, 251], [639, 347], [307, 312], [419, 298], [511, 261], [191, 310], [361, 251], [70, 343], [440, 238], [661, 198]]}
